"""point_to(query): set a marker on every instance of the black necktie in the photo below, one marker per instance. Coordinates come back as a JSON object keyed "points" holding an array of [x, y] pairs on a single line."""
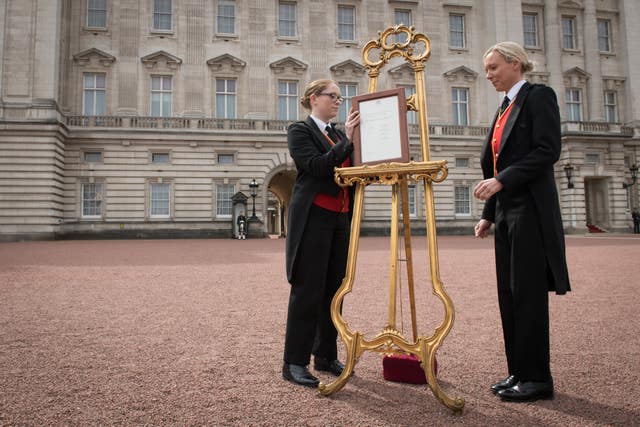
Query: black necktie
{"points": [[332, 134], [504, 105]]}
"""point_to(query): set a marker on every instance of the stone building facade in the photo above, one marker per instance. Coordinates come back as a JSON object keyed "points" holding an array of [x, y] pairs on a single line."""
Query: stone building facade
{"points": [[145, 117]]}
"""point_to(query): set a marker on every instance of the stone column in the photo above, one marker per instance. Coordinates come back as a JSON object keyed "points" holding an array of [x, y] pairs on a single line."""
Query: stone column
{"points": [[628, 52], [592, 63]]}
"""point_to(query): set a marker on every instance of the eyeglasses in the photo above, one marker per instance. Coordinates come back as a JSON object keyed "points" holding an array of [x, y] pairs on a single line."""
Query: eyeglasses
{"points": [[333, 97]]}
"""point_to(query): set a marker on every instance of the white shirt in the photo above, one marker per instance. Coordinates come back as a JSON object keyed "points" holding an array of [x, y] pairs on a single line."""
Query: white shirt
{"points": [[321, 125], [513, 92]]}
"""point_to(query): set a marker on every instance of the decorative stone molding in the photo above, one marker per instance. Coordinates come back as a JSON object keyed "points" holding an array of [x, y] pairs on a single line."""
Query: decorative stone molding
{"points": [[575, 77], [226, 62], [288, 65], [573, 4], [461, 73], [613, 82], [402, 72], [159, 59], [85, 57], [538, 77], [347, 66]]}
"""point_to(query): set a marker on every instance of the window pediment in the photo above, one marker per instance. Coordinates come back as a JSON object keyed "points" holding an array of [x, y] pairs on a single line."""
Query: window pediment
{"points": [[161, 59], [575, 77], [348, 66], [401, 72], [88, 56], [226, 62], [288, 65], [461, 73], [613, 82], [538, 77], [571, 4]]}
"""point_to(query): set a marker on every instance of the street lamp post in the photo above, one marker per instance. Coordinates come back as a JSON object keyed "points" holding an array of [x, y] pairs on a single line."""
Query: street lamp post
{"points": [[568, 171], [253, 188], [634, 175]]}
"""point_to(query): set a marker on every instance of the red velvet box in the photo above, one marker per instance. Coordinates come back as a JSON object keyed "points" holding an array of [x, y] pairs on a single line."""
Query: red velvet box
{"points": [[404, 368]]}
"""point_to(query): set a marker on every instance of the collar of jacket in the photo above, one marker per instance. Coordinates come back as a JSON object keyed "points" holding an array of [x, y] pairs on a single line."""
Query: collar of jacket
{"points": [[511, 120], [319, 137]]}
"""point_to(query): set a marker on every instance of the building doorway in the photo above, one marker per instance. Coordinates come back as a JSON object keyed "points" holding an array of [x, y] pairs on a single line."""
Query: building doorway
{"points": [[280, 188], [596, 195]]}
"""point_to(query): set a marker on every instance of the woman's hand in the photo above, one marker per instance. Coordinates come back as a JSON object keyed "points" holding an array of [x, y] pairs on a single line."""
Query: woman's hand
{"points": [[352, 121], [482, 228], [487, 188]]}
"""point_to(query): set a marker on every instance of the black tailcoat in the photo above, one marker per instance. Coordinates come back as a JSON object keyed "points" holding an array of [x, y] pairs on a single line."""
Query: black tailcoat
{"points": [[315, 161], [529, 148]]}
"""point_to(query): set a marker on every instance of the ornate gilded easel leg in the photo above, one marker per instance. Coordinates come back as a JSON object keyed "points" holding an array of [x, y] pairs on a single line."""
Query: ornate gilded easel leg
{"points": [[352, 343], [351, 340], [428, 358]]}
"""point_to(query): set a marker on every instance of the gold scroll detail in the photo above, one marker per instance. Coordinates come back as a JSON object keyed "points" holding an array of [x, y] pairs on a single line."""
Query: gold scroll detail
{"points": [[415, 49]]}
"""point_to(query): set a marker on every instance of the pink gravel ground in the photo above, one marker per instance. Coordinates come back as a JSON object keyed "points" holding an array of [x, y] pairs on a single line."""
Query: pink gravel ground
{"points": [[190, 332]]}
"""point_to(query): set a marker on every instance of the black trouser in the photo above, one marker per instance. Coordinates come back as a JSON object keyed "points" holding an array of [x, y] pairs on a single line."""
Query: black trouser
{"points": [[523, 285], [320, 269]]}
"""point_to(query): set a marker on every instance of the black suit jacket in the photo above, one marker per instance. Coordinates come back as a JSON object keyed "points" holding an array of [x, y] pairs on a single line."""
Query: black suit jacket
{"points": [[530, 145], [315, 160]]}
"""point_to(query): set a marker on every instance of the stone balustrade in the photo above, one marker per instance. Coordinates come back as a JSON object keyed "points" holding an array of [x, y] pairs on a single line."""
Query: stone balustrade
{"points": [[142, 122]]}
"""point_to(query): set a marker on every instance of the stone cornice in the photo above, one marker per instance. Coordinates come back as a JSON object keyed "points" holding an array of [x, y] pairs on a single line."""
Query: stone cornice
{"points": [[226, 61], [155, 59], [349, 65], [288, 64], [84, 58], [466, 73]]}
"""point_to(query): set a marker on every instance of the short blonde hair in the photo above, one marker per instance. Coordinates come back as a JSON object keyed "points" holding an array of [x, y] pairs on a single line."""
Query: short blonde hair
{"points": [[314, 88], [511, 51]]}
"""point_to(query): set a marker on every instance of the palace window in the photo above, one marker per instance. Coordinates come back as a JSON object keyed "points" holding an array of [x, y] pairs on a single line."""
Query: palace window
{"points": [[573, 98], [462, 199], [456, 31], [97, 13], [604, 35], [346, 23], [462, 162], [226, 22], [287, 19], [92, 200], [348, 91], [530, 27], [161, 92], [160, 200], [226, 159], [160, 157], [287, 100], [92, 157], [610, 107], [569, 33], [162, 15], [93, 97], [225, 98], [460, 106], [401, 16], [224, 193]]}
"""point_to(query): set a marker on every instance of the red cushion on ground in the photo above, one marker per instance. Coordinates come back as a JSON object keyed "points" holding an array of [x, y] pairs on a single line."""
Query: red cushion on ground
{"points": [[404, 368]]}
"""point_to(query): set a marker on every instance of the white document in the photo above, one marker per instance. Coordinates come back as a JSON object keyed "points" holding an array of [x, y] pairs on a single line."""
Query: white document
{"points": [[380, 129]]}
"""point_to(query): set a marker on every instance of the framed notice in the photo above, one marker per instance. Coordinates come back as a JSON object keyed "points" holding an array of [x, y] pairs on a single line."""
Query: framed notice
{"points": [[381, 136]]}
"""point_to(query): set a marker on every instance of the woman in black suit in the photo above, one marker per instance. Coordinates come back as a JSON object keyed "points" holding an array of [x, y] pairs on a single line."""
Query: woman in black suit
{"points": [[522, 201], [317, 234]]}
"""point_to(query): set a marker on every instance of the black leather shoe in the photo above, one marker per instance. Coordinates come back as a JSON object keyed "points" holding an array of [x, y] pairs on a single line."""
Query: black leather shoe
{"points": [[526, 391], [299, 375], [322, 364], [506, 383]]}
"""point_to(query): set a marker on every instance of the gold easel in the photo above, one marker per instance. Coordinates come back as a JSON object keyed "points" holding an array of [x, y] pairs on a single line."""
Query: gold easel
{"points": [[390, 340]]}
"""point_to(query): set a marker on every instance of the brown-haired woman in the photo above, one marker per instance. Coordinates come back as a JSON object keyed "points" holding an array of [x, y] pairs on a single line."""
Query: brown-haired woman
{"points": [[317, 233]]}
